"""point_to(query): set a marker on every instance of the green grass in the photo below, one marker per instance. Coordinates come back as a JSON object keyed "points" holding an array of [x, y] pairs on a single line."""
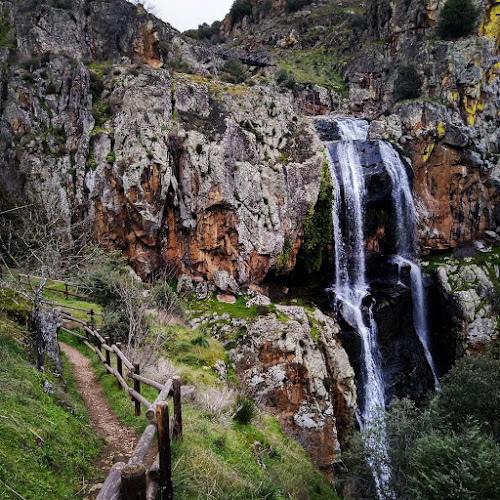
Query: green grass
{"points": [[5, 29], [218, 461], [54, 469], [118, 399], [314, 66]]}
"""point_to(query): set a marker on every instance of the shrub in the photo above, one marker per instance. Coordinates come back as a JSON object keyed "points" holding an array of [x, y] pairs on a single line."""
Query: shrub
{"points": [[408, 83], [318, 225], [295, 5], [264, 8], [286, 79], [236, 70], [62, 4], [244, 411], [457, 18], [470, 390], [458, 466], [240, 9], [209, 32]]}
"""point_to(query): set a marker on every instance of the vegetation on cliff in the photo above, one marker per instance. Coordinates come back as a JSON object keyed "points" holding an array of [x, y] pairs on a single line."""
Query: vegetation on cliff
{"points": [[457, 18], [318, 225]]}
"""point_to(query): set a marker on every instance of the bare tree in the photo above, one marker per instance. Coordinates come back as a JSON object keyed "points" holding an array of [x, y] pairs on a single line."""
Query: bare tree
{"points": [[37, 240]]}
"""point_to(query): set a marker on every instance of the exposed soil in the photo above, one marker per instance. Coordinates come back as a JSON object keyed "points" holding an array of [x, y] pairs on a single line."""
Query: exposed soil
{"points": [[120, 440]]}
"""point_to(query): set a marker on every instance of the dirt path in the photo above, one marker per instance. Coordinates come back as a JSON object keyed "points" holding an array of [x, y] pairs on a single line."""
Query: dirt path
{"points": [[120, 440]]}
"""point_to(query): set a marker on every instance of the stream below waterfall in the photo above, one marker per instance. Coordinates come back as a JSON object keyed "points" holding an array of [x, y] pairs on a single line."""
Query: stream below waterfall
{"points": [[351, 287]]}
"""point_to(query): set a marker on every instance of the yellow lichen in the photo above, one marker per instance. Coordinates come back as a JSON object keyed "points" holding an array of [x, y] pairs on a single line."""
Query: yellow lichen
{"points": [[494, 72], [473, 105], [441, 130], [490, 27], [454, 95], [427, 152]]}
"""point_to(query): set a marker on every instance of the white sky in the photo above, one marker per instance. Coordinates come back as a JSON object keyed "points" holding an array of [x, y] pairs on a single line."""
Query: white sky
{"points": [[187, 14]]}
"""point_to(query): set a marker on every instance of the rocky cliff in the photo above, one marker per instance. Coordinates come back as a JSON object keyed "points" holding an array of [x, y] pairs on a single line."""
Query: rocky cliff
{"points": [[170, 168], [112, 117], [182, 168]]}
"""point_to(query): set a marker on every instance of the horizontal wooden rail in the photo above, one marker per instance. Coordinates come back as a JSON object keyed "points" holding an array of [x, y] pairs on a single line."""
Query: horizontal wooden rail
{"points": [[151, 413], [147, 381], [123, 358], [73, 308], [77, 335], [74, 285]]}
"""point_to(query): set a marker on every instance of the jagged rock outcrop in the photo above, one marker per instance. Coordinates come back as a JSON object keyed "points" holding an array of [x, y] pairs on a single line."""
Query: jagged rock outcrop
{"points": [[298, 370], [469, 293], [175, 169]]}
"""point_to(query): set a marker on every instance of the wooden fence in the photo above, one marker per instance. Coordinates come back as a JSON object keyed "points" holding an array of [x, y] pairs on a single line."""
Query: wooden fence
{"points": [[131, 481], [67, 286]]}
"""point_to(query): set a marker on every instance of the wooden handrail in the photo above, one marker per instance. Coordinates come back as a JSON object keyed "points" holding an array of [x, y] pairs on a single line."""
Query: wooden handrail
{"points": [[147, 381], [73, 308], [124, 359], [157, 412], [150, 414]]}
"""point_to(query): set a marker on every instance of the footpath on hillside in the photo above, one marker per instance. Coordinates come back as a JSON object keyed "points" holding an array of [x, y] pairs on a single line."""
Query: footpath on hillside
{"points": [[120, 440]]}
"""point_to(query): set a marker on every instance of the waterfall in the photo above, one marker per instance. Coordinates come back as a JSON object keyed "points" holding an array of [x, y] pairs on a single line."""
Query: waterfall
{"points": [[351, 288], [406, 247]]}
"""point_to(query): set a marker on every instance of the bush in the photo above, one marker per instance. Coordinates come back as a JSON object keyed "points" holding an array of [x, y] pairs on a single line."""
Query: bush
{"points": [[208, 32], [471, 390], [235, 70], [457, 18], [295, 5], [240, 9], [318, 225], [264, 8], [461, 466], [408, 83], [286, 79]]}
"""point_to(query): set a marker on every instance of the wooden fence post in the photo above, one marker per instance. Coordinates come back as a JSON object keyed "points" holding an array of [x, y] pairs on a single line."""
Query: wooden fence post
{"points": [[99, 345], [177, 407], [137, 387], [165, 452], [108, 354], [119, 364], [92, 322], [134, 482], [66, 292]]}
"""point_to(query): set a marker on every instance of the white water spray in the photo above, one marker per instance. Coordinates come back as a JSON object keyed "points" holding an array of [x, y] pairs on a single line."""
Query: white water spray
{"points": [[407, 244], [351, 288]]}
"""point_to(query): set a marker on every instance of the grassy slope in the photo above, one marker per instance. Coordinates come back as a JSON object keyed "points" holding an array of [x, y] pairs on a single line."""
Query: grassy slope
{"points": [[55, 469], [218, 459]]}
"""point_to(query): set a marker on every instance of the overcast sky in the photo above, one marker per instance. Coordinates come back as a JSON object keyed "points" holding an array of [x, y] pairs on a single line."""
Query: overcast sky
{"points": [[187, 14]]}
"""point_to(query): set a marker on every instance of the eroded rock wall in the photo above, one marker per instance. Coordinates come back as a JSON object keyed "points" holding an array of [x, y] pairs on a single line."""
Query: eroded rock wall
{"points": [[298, 370]]}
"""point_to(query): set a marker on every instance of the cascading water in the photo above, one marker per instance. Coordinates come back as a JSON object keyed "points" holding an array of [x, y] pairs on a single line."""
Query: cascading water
{"points": [[351, 287], [407, 244]]}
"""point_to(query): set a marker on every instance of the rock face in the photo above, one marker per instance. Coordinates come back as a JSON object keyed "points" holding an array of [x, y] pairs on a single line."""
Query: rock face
{"points": [[468, 293], [450, 133], [299, 371], [176, 170]]}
